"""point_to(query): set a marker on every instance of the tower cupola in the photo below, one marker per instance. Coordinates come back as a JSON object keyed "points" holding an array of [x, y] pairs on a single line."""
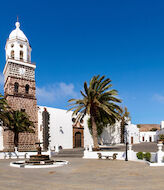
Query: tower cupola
{"points": [[17, 45]]}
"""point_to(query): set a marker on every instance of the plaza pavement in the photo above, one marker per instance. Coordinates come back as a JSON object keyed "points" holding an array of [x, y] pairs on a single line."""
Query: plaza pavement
{"points": [[141, 147], [82, 174]]}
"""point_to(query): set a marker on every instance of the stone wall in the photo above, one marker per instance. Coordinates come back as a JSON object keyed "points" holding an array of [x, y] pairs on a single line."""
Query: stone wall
{"points": [[9, 87], [18, 101]]}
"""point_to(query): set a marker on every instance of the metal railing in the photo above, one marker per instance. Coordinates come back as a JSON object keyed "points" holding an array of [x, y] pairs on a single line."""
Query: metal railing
{"points": [[20, 59]]}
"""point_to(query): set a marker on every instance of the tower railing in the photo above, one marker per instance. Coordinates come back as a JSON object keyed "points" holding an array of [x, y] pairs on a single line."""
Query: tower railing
{"points": [[20, 59]]}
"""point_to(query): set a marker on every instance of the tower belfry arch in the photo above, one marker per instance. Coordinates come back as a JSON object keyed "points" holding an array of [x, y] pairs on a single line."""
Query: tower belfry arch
{"points": [[19, 87]]}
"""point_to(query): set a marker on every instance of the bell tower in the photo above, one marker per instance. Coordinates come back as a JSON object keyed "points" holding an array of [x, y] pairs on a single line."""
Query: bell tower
{"points": [[19, 87]]}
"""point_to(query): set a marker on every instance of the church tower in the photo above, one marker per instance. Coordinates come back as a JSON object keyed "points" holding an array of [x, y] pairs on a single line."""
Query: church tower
{"points": [[19, 87]]}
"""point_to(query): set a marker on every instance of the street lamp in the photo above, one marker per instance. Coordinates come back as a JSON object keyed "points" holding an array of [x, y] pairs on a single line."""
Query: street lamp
{"points": [[126, 137]]}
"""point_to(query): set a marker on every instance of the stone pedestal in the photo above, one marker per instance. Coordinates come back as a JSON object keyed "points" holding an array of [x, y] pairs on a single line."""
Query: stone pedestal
{"points": [[130, 147], [159, 153], [90, 148], [16, 149], [86, 148], [56, 148], [130, 152]]}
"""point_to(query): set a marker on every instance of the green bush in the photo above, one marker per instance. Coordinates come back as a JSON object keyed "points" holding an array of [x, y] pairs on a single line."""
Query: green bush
{"points": [[153, 129], [140, 155], [161, 137], [147, 156]]}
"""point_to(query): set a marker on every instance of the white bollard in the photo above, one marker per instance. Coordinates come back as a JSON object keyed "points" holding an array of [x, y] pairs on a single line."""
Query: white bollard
{"points": [[56, 148], [16, 152], [159, 153], [49, 151], [90, 148], [16, 149], [86, 148], [130, 147]]}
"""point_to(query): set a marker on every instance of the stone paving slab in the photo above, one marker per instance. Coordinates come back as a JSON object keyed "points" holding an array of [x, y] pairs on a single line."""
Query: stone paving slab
{"points": [[82, 174]]}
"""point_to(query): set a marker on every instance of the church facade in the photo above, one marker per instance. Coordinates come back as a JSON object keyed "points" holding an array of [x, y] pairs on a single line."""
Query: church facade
{"points": [[54, 127]]}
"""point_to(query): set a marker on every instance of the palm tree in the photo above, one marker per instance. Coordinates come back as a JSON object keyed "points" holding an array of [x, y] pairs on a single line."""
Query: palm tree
{"points": [[17, 122], [3, 106], [97, 99], [125, 117]]}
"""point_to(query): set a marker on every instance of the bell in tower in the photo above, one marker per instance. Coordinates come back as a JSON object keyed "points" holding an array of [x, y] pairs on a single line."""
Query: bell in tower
{"points": [[19, 87]]}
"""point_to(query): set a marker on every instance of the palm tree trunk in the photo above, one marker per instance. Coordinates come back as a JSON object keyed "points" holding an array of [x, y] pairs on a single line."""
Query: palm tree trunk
{"points": [[16, 139], [94, 133]]}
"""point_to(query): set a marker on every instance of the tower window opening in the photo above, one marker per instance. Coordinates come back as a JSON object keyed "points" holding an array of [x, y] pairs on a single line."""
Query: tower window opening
{"points": [[23, 110], [21, 55], [16, 87], [27, 88], [12, 54]]}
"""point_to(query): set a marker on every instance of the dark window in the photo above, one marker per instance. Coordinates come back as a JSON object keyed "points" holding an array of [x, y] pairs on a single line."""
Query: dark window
{"points": [[16, 86], [23, 110], [27, 88], [12, 54], [21, 55]]}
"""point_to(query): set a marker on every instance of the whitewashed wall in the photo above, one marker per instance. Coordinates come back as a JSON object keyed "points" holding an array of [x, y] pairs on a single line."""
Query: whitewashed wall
{"points": [[60, 127], [111, 135], [133, 132], [147, 135], [61, 130], [87, 136], [162, 125], [1, 138]]}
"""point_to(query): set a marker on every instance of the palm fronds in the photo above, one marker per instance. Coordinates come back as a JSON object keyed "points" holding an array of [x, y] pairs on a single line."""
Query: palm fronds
{"points": [[97, 98]]}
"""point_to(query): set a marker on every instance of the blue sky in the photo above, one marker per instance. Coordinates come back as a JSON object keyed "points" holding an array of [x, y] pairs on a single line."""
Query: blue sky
{"points": [[74, 40]]}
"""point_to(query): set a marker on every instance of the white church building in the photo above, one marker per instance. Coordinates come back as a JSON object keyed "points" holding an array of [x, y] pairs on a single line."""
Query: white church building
{"points": [[63, 132]]}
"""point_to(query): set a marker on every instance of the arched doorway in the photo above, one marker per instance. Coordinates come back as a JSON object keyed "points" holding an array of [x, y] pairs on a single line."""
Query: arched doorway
{"points": [[131, 140], [77, 139]]}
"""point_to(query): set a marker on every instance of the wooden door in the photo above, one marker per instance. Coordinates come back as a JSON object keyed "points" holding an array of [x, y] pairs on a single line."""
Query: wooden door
{"points": [[131, 140], [77, 139], [143, 139], [150, 139]]}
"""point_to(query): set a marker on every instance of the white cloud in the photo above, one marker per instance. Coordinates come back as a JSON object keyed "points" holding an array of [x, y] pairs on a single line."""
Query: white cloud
{"points": [[55, 92], [66, 89], [159, 98], [45, 94]]}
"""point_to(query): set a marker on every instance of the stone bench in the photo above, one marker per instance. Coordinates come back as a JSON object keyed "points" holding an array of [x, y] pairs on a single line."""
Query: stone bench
{"points": [[107, 157]]}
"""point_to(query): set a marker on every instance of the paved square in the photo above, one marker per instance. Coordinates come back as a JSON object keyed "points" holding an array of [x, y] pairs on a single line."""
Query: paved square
{"points": [[84, 175]]}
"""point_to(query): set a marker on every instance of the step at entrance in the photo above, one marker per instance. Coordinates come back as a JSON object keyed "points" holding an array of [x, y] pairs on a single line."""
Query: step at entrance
{"points": [[76, 152]]}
